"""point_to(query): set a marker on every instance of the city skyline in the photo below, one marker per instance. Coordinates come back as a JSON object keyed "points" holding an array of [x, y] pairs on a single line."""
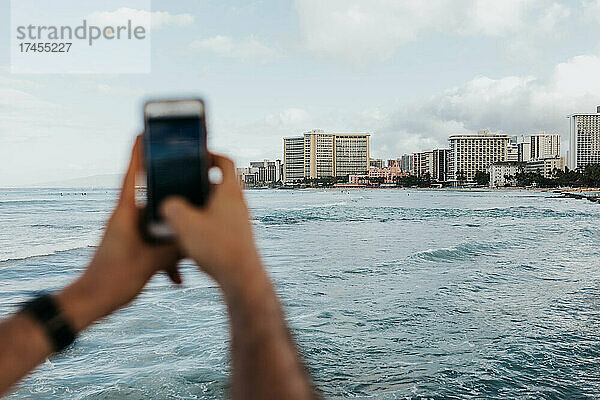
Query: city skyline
{"points": [[318, 155]]}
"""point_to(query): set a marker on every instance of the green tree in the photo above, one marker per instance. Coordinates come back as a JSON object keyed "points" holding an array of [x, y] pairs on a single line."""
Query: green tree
{"points": [[482, 178]]}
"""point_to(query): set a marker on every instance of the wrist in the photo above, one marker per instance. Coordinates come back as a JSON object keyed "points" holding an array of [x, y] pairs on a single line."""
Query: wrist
{"points": [[249, 287]]}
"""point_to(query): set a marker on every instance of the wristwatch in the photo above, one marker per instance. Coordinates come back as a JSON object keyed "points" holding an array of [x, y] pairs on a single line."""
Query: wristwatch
{"points": [[45, 311]]}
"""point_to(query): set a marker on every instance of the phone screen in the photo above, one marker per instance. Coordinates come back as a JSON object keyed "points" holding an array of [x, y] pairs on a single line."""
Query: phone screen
{"points": [[175, 161]]}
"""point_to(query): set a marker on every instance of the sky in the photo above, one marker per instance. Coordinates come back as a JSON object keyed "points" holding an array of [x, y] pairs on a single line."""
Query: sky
{"points": [[409, 72]]}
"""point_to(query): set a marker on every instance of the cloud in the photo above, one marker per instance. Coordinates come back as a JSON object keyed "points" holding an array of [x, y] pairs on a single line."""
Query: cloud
{"points": [[24, 116], [156, 19], [263, 136], [365, 30], [287, 117], [511, 104], [249, 49]]}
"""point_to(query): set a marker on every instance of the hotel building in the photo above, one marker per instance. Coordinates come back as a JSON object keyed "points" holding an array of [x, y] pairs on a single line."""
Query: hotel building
{"points": [[544, 145], [261, 173], [470, 154], [423, 163], [267, 171], [320, 155], [406, 163], [545, 166], [584, 145], [433, 163], [293, 159]]}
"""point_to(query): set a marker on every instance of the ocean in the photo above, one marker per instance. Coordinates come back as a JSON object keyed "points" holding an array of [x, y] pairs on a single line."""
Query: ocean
{"points": [[390, 294]]}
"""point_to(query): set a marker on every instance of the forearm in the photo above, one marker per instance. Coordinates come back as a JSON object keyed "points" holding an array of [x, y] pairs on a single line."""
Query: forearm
{"points": [[266, 364], [24, 343], [23, 346]]}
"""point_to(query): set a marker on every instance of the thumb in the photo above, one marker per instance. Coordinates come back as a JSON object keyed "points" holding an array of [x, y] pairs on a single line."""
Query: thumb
{"points": [[182, 217]]}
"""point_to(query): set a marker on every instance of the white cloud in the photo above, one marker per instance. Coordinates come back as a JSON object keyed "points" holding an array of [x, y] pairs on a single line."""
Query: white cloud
{"points": [[366, 30], [287, 117], [156, 19], [512, 104], [24, 116], [246, 49], [263, 136]]}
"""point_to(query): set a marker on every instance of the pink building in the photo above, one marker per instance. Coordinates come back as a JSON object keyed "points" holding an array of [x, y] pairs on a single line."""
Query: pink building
{"points": [[388, 174]]}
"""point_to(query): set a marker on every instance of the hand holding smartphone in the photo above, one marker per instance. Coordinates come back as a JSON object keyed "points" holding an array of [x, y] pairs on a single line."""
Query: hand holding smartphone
{"points": [[176, 159]]}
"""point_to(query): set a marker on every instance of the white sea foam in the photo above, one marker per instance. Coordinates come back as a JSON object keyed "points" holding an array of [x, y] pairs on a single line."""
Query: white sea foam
{"points": [[40, 250]]}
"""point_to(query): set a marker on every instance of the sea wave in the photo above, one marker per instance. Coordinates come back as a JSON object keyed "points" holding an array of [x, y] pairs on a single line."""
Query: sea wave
{"points": [[346, 213], [43, 251], [462, 251], [28, 202]]}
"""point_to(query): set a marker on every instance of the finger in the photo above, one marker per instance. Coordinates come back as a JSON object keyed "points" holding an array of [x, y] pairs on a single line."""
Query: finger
{"points": [[183, 218], [174, 274], [227, 168], [127, 197]]}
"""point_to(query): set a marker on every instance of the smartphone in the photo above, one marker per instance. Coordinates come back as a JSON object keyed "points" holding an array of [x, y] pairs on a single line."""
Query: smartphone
{"points": [[176, 159]]}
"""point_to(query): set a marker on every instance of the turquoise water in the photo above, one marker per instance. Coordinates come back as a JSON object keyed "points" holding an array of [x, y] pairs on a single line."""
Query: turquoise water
{"points": [[390, 293]]}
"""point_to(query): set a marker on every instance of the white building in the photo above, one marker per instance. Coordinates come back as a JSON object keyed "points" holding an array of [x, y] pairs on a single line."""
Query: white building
{"points": [[423, 163], [433, 163], [470, 154], [524, 151], [293, 159], [319, 161], [502, 173], [317, 154], [544, 145], [546, 166], [512, 152], [406, 163], [584, 145], [351, 154], [267, 171]]}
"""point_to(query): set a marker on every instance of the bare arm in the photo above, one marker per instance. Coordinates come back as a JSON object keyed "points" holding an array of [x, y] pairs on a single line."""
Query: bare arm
{"points": [[22, 348], [265, 359], [266, 364], [121, 267]]}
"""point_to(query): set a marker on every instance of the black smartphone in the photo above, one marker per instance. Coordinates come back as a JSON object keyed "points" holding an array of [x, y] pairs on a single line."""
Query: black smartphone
{"points": [[176, 159]]}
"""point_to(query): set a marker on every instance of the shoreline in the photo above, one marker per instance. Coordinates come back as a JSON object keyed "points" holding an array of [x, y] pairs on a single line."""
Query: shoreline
{"points": [[590, 194]]}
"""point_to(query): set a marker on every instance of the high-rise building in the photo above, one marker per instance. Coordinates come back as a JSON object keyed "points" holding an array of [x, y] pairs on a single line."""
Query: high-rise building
{"points": [[470, 154], [351, 154], [317, 154], [433, 163], [423, 163], [293, 159], [261, 173], [377, 163], [544, 145], [584, 145], [407, 164], [391, 163], [512, 152], [524, 151], [440, 165], [319, 161], [267, 171]]}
